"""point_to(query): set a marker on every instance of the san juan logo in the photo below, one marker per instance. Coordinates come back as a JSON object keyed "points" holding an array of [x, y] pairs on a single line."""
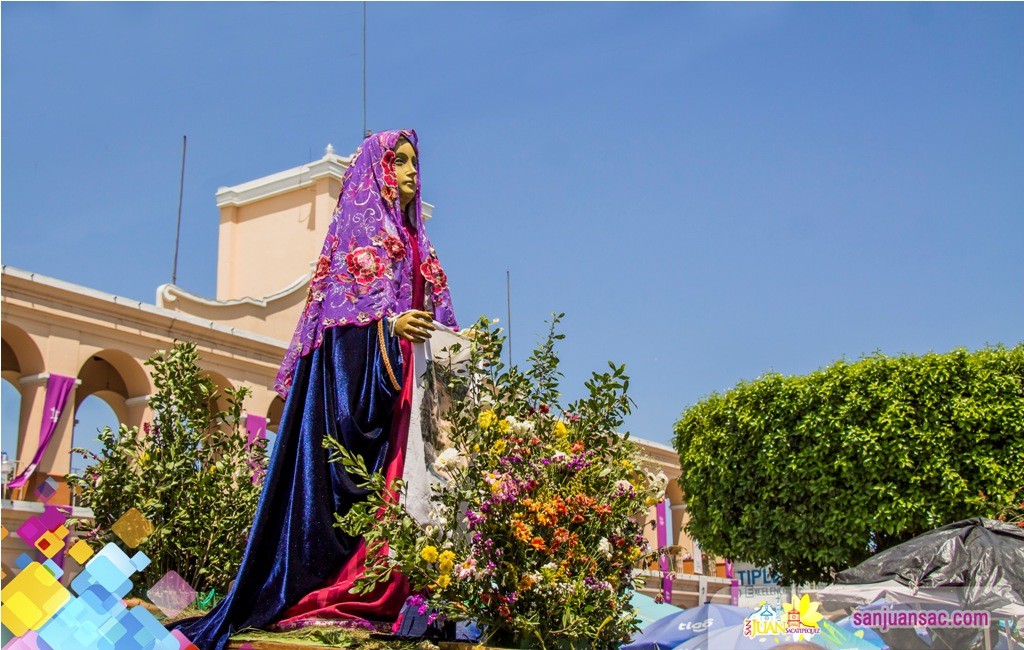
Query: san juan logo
{"points": [[799, 618]]}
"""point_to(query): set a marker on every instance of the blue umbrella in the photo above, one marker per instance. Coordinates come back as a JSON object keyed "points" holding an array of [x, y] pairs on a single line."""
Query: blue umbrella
{"points": [[671, 631], [649, 610], [732, 638]]}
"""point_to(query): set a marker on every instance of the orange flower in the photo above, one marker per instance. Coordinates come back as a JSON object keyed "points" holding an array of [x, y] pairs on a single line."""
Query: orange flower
{"points": [[521, 531], [525, 582], [538, 544]]}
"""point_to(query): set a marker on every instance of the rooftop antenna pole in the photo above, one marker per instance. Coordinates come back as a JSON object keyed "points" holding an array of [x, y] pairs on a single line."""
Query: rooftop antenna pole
{"points": [[181, 192], [366, 132], [508, 305]]}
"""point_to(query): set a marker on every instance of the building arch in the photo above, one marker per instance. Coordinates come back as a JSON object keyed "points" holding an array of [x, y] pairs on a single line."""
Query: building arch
{"points": [[274, 413], [223, 384], [112, 371], [20, 359], [91, 414], [11, 396], [21, 355]]}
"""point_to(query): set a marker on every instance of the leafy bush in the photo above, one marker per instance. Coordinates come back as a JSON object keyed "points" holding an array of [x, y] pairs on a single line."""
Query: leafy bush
{"points": [[535, 532], [191, 473], [813, 474]]}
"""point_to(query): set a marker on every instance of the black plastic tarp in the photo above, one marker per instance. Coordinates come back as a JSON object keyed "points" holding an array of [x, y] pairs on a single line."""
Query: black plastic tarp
{"points": [[982, 558]]}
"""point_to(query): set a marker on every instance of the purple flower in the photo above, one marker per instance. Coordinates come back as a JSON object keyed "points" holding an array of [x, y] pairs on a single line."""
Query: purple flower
{"points": [[433, 617]]}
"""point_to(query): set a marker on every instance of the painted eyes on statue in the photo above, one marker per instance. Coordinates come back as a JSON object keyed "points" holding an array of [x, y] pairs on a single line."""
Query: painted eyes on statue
{"points": [[400, 159]]}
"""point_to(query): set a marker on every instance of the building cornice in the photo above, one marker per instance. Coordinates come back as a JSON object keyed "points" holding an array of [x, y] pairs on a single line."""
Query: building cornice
{"points": [[69, 298], [330, 166], [167, 293]]}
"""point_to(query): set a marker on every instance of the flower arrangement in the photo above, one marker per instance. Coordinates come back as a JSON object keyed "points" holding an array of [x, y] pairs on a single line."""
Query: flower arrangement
{"points": [[536, 529]]}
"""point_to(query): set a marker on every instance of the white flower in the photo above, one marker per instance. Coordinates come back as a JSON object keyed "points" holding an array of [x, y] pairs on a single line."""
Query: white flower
{"points": [[437, 514], [605, 546], [558, 457], [447, 460], [658, 483], [520, 428]]}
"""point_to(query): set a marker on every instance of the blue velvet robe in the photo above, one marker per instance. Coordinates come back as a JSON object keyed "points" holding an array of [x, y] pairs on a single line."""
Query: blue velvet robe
{"points": [[341, 389]]}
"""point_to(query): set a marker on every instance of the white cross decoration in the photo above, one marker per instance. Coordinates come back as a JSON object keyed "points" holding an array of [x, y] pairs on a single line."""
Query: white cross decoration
{"points": [[54, 415]]}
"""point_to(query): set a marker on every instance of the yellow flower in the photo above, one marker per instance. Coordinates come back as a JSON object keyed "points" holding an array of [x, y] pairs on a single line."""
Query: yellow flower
{"points": [[429, 554], [486, 419], [476, 449], [498, 447], [444, 580], [560, 429], [445, 567], [504, 426], [144, 458], [626, 464]]}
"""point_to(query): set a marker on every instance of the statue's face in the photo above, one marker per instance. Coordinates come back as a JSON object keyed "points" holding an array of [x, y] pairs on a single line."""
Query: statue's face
{"points": [[405, 170]]}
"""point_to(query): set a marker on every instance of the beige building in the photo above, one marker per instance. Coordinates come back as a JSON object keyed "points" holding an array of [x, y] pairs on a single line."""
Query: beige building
{"points": [[102, 340]]}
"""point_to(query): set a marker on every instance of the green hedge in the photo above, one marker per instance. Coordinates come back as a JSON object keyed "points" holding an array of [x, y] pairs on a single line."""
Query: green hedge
{"points": [[813, 474]]}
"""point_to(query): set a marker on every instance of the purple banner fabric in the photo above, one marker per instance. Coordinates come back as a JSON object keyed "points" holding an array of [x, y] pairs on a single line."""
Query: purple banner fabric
{"points": [[58, 388], [256, 427], [734, 585], [666, 580]]}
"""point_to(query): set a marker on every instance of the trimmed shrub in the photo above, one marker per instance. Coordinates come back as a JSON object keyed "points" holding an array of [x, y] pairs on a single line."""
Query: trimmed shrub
{"points": [[813, 474]]}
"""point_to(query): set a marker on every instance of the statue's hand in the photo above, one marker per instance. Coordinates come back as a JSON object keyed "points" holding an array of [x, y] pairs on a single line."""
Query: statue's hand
{"points": [[415, 325]]}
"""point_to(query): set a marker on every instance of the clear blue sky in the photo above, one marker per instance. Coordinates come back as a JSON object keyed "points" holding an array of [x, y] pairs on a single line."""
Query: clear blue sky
{"points": [[709, 191]]}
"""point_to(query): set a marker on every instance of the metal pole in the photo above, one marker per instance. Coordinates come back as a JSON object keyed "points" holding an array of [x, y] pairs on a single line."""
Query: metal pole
{"points": [[181, 192], [508, 305], [366, 133]]}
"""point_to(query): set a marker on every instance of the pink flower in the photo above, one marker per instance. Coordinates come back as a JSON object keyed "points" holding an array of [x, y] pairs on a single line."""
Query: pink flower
{"points": [[395, 248], [364, 264], [467, 569], [387, 167], [389, 194], [323, 267], [434, 274]]}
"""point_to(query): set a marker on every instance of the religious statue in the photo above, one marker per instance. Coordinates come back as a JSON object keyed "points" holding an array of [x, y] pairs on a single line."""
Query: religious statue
{"points": [[377, 289]]}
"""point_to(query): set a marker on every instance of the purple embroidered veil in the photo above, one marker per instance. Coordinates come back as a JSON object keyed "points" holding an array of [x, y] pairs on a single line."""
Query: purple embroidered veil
{"points": [[364, 272]]}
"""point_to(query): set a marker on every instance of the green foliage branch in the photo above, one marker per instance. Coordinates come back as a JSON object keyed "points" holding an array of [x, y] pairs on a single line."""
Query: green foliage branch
{"points": [[813, 474], [191, 472]]}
